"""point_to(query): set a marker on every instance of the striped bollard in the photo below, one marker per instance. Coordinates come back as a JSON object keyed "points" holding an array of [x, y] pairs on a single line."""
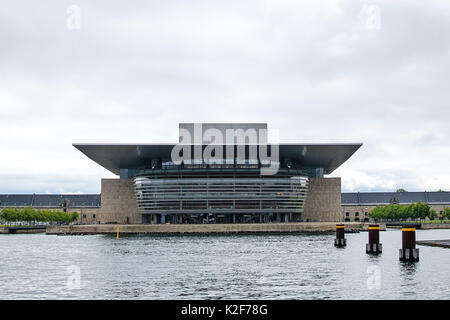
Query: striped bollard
{"points": [[340, 240], [374, 245], [408, 252]]}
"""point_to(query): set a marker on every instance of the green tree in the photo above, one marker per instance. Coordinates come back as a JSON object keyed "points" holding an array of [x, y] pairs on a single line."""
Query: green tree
{"points": [[74, 216], [418, 210], [446, 213], [29, 214], [433, 214]]}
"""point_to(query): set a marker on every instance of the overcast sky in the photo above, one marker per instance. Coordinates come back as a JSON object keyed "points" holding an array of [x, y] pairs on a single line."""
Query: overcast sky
{"points": [[318, 71]]}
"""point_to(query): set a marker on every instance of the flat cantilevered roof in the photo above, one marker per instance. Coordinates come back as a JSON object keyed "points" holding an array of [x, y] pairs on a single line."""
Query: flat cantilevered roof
{"points": [[132, 156]]}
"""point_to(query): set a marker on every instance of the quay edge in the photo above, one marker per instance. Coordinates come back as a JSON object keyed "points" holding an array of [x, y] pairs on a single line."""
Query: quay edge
{"points": [[203, 228]]}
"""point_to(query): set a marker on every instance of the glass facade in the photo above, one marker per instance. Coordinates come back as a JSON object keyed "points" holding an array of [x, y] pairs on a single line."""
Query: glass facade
{"points": [[223, 193]]}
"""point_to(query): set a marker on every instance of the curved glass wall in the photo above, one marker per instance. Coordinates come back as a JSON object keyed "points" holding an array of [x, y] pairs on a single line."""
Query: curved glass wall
{"points": [[220, 194]]}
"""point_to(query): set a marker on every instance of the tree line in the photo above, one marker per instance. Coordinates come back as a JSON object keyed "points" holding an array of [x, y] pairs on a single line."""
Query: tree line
{"points": [[418, 210], [29, 215]]}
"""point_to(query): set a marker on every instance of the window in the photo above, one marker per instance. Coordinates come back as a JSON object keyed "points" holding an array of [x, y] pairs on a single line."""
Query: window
{"points": [[347, 214], [365, 213], [356, 214]]}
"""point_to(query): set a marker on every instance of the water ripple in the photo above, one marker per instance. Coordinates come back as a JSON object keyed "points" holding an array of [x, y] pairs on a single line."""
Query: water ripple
{"points": [[301, 266]]}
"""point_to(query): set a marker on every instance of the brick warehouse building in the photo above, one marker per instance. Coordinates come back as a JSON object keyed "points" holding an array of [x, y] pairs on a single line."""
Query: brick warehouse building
{"points": [[86, 205], [354, 206], [357, 205]]}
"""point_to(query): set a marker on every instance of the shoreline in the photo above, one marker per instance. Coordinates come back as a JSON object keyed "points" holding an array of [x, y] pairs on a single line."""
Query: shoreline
{"points": [[242, 228], [205, 228]]}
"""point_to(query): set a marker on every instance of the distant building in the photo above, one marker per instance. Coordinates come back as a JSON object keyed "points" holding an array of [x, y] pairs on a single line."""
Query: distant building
{"points": [[357, 205], [86, 205], [354, 206]]}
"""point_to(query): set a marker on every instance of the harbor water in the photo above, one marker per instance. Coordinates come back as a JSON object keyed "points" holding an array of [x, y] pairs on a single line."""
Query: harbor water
{"points": [[263, 266]]}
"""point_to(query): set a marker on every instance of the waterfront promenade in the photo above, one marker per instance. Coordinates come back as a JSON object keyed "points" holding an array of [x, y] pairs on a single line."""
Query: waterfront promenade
{"points": [[210, 228], [204, 228], [22, 229]]}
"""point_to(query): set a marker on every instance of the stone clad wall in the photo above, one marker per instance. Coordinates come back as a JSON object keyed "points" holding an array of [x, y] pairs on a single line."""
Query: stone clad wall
{"points": [[324, 200], [202, 228], [119, 202]]}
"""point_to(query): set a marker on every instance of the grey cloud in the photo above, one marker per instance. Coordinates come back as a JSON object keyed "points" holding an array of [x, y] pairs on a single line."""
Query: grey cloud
{"points": [[311, 70]]}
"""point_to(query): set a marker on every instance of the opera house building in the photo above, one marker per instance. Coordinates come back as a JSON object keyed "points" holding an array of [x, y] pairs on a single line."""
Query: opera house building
{"points": [[220, 173]]}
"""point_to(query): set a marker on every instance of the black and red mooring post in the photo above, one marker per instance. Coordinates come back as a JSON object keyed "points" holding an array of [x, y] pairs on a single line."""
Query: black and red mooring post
{"points": [[340, 240], [374, 245], [408, 252]]}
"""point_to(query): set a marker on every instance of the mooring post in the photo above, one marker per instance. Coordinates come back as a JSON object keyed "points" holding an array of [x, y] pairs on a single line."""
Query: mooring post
{"points": [[340, 240], [408, 252], [374, 245]]}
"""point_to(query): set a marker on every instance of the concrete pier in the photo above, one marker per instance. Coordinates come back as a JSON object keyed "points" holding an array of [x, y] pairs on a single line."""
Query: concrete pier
{"points": [[419, 225], [435, 243], [22, 229], [200, 228]]}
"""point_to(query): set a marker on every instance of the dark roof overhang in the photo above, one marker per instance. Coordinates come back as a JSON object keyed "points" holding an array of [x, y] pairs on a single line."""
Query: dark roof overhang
{"points": [[132, 156]]}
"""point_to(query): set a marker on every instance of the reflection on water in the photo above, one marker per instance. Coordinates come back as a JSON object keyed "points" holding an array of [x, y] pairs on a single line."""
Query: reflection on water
{"points": [[408, 269], [408, 275], [294, 266]]}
